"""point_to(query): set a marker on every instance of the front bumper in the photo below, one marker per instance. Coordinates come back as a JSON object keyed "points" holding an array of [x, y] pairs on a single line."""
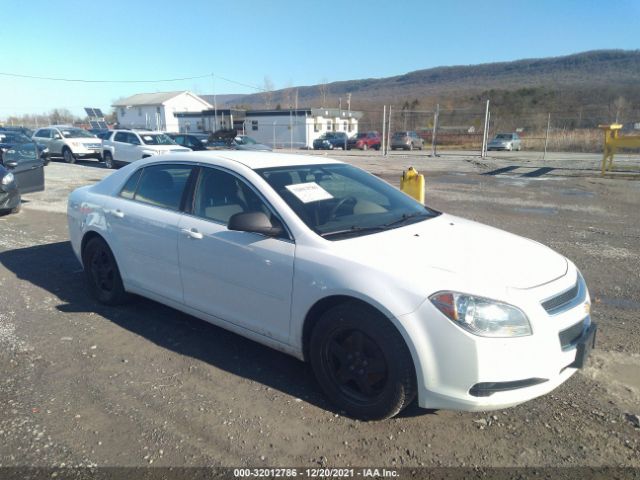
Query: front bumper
{"points": [[9, 198], [459, 371]]}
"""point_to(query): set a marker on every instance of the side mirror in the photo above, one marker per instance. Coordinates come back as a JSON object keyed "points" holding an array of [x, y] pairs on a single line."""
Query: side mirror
{"points": [[256, 222], [56, 136]]}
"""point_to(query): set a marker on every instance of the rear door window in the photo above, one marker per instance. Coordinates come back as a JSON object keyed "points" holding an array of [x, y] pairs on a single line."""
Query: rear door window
{"points": [[163, 185]]}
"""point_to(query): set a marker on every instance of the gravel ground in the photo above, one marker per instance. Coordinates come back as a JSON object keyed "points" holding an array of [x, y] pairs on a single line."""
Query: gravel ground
{"points": [[140, 385]]}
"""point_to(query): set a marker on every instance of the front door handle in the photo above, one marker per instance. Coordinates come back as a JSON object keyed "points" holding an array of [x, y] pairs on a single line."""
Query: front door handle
{"points": [[192, 233], [117, 213]]}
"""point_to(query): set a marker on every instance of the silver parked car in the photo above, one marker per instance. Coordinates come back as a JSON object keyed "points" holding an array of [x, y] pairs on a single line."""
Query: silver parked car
{"points": [[406, 141], [505, 141]]}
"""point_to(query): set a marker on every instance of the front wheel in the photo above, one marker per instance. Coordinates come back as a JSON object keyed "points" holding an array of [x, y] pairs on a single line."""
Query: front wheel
{"points": [[362, 362], [102, 273], [108, 160], [68, 155]]}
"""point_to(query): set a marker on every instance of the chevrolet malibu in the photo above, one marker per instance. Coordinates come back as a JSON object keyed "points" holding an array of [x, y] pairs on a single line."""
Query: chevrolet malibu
{"points": [[388, 300]]}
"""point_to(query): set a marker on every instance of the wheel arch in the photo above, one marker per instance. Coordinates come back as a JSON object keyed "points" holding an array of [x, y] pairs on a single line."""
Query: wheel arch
{"points": [[86, 238], [323, 305]]}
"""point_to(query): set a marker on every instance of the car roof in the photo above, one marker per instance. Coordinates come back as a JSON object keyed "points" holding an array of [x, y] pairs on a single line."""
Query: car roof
{"points": [[254, 160]]}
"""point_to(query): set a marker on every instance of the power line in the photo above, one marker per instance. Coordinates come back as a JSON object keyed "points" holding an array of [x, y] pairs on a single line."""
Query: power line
{"points": [[82, 80]]}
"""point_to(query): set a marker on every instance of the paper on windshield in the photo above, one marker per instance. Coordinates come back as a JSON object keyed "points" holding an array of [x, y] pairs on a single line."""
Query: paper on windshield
{"points": [[147, 138], [309, 192]]}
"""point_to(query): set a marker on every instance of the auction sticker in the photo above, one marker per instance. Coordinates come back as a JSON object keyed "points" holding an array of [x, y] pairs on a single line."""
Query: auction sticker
{"points": [[309, 192]]}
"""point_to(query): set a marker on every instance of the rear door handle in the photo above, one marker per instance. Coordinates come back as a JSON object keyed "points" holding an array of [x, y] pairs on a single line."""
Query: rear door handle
{"points": [[192, 233], [117, 213]]}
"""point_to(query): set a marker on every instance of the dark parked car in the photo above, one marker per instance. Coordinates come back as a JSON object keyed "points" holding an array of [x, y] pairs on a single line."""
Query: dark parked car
{"points": [[104, 134], [196, 142], [21, 171], [331, 140], [9, 139], [364, 141], [229, 139], [23, 130], [406, 141]]}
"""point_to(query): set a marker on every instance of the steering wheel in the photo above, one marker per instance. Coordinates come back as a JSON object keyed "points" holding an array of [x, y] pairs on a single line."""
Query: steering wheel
{"points": [[341, 203]]}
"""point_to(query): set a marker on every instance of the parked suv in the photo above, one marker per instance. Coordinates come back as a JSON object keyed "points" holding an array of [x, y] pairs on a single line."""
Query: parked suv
{"points": [[68, 142], [331, 140], [126, 146], [364, 141], [406, 141]]}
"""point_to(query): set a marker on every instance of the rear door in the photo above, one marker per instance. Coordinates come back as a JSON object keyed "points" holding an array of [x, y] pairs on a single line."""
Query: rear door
{"points": [[28, 169], [144, 220]]}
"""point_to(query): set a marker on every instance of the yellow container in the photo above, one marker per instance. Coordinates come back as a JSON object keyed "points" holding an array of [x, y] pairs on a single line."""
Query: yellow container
{"points": [[412, 183]]}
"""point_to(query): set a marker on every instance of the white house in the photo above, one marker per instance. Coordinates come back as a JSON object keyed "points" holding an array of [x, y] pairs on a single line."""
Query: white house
{"points": [[296, 128], [156, 111]]}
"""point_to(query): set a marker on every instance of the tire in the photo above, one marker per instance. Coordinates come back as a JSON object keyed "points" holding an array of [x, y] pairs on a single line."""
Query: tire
{"points": [[376, 147], [362, 363], [108, 160], [17, 208], [102, 273], [68, 155]]}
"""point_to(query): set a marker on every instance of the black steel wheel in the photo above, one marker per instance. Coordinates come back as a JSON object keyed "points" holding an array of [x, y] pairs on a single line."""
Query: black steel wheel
{"points": [[362, 362], [102, 273]]}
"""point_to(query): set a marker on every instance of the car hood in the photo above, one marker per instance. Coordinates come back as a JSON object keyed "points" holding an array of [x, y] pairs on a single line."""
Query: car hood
{"points": [[85, 140], [465, 252], [166, 148], [257, 147]]}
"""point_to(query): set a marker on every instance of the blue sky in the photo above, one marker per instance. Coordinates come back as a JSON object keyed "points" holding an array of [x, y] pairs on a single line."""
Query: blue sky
{"points": [[293, 42]]}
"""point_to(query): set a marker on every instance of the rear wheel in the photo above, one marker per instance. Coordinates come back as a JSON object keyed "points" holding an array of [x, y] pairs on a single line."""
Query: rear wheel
{"points": [[68, 155], [362, 362], [102, 273]]}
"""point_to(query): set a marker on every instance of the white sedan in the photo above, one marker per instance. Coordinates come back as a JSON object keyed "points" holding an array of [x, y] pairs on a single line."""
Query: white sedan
{"points": [[389, 300]]}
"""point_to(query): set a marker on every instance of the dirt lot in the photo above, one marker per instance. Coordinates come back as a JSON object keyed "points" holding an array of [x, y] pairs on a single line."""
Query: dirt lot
{"points": [[146, 385]]}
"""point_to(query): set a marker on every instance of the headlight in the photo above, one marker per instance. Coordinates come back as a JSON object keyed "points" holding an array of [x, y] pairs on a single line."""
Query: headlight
{"points": [[7, 179], [482, 316]]}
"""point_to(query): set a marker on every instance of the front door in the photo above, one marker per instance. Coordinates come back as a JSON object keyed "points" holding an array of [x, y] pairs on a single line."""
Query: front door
{"points": [[243, 278], [27, 168]]}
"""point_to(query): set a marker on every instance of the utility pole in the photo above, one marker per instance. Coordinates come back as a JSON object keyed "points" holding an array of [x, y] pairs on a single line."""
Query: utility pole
{"points": [[215, 103], [349, 102], [384, 129], [434, 133], [389, 129], [546, 138], [485, 131]]}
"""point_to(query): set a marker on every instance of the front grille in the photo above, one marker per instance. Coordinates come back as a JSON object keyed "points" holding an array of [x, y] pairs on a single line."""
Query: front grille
{"points": [[570, 336], [567, 299], [92, 145]]}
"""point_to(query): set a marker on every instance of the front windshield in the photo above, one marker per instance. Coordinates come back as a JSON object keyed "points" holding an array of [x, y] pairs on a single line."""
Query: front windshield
{"points": [[76, 133], [244, 140], [156, 139], [339, 201]]}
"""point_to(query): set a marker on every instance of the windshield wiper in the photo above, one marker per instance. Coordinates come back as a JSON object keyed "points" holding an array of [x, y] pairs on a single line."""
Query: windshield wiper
{"points": [[354, 230], [404, 218]]}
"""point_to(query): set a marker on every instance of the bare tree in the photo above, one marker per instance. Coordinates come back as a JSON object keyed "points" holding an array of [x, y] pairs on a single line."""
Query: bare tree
{"points": [[620, 104], [323, 87], [267, 91]]}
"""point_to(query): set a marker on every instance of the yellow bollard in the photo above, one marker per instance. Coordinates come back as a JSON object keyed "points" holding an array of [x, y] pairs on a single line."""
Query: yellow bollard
{"points": [[412, 183]]}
